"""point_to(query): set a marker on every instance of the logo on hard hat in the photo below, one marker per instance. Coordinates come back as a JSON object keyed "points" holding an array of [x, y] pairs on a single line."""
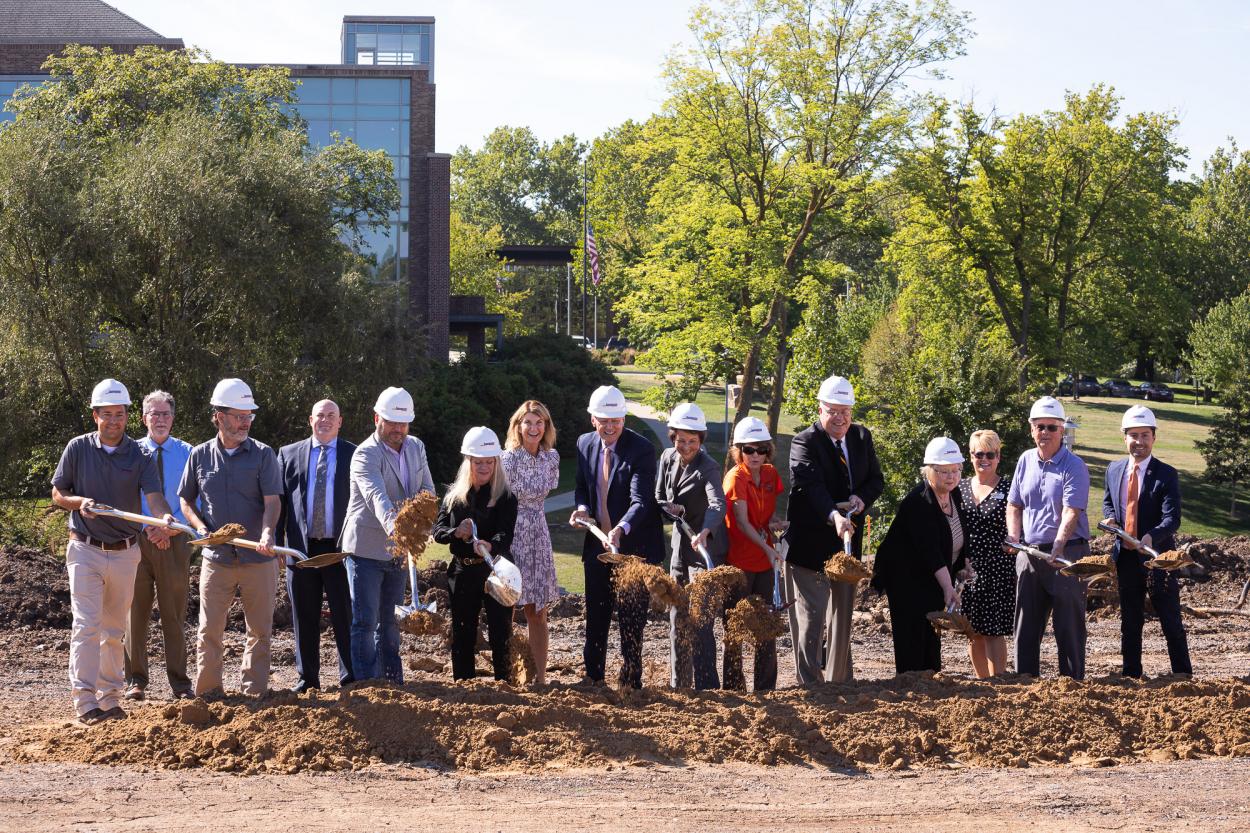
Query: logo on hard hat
{"points": [[112, 390]]}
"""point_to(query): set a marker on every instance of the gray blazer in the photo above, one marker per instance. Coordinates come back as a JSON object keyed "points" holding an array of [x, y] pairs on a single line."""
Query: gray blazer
{"points": [[701, 493], [377, 493]]}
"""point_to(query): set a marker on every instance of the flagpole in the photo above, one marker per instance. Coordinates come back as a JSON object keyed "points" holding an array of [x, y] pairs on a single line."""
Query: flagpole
{"points": [[585, 229], [568, 298]]}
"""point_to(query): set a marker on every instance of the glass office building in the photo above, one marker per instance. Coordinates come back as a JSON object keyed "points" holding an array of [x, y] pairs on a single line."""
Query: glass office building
{"points": [[370, 42], [9, 85]]}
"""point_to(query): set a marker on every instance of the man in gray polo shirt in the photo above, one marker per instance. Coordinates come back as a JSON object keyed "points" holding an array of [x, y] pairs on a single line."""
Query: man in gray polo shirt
{"points": [[1046, 509], [236, 480], [103, 467]]}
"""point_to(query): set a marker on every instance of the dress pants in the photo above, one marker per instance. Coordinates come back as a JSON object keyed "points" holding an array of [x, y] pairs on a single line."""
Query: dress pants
{"points": [[692, 649], [1135, 581], [163, 575], [820, 625], [1040, 591], [765, 671], [305, 588], [468, 595], [101, 584], [257, 584], [631, 615], [917, 646]]}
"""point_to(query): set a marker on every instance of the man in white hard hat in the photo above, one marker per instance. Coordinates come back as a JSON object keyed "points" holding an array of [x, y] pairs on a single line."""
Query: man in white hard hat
{"points": [[834, 479], [1046, 508], [1143, 497], [164, 573], [103, 467], [234, 479], [315, 487], [615, 489], [389, 467]]}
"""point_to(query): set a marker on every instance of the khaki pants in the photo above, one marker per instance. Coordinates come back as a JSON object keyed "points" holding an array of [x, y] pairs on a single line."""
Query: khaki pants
{"points": [[820, 625], [163, 575], [101, 583], [257, 584]]}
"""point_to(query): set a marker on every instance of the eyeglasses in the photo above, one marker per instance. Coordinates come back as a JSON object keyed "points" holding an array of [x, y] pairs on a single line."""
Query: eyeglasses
{"points": [[985, 455], [238, 417], [1047, 428], [755, 449]]}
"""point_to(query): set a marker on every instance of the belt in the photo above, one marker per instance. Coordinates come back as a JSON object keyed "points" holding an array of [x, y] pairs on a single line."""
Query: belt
{"points": [[124, 544], [469, 560], [1047, 547]]}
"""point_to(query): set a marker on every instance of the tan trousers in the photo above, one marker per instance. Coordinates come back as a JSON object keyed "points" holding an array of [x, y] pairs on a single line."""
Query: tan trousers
{"points": [[820, 625], [163, 576], [257, 584], [101, 583]]}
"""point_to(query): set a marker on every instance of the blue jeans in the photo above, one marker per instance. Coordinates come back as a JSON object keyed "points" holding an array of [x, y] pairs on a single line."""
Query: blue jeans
{"points": [[377, 586]]}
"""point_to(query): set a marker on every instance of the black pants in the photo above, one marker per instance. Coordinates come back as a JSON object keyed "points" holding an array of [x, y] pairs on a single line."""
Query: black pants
{"points": [[631, 615], [917, 646], [305, 588], [468, 595], [1135, 583], [765, 671]]}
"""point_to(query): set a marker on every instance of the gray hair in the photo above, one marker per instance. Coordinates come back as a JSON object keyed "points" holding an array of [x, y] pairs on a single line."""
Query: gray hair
{"points": [[158, 396]]}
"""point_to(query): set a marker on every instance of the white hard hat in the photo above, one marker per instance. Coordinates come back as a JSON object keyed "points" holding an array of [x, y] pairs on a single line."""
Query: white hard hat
{"points": [[1138, 416], [836, 390], [942, 450], [1048, 407], [233, 393], [480, 442], [687, 417], [109, 392], [751, 429], [394, 405], [607, 403]]}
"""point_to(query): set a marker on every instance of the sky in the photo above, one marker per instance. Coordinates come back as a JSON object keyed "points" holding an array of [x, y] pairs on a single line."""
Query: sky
{"points": [[584, 67]]}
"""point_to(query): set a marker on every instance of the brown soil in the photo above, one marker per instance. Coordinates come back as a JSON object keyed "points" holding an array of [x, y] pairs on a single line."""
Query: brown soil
{"points": [[1090, 565], [842, 567], [413, 525], [521, 667], [424, 623], [752, 621], [711, 591], [34, 589], [664, 590], [223, 534]]}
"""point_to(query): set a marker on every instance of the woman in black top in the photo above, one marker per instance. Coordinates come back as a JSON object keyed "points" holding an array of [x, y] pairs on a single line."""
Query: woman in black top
{"points": [[920, 557], [480, 495]]}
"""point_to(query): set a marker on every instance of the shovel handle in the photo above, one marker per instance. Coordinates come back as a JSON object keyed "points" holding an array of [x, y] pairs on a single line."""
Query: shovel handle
{"points": [[135, 517], [1124, 536], [1036, 553], [595, 531]]}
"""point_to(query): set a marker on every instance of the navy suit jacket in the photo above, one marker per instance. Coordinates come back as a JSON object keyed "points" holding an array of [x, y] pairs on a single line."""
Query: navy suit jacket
{"points": [[1158, 502], [293, 462], [631, 493]]}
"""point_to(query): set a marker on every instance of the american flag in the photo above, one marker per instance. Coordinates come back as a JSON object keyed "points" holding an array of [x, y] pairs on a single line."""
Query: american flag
{"points": [[592, 252]]}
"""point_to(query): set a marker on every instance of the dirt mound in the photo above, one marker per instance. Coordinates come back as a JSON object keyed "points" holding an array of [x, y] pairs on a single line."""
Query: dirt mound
{"points": [[711, 591], [34, 589], [424, 623], [914, 720]]}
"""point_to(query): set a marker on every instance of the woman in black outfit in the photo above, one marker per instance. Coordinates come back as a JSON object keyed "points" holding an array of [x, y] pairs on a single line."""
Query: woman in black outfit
{"points": [[920, 557], [480, 495]]}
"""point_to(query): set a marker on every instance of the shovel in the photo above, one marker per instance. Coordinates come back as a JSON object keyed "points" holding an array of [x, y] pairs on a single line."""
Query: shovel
{"points": [[779, 603], [207, 541], [951, 619], [1036, 553], [612, 555], [1124, 536], [690, 536], [504, 582], [404, 611]]}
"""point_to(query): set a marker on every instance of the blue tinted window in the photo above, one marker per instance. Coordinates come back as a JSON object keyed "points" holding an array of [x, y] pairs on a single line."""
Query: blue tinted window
{"points": [[378, 135], [378, 111], [343, 112], [312, 111], [318, 133], [313, 90], [345, 129], [343, 90], [378, 91]]}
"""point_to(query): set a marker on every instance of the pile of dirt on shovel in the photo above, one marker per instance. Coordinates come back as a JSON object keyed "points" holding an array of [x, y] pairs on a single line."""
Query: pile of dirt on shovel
{"points": [[916, 720], [34, 589]]}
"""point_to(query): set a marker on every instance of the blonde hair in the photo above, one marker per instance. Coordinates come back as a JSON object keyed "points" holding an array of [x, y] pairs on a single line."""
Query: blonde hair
{"points": [[458, 492], [986, 439], [531, 406]]}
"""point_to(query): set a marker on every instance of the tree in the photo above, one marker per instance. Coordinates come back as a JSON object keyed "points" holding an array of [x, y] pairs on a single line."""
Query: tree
{"points": [[164, 222], [778, 119], [1218, 220], [1227, 449], [1219, 344]]}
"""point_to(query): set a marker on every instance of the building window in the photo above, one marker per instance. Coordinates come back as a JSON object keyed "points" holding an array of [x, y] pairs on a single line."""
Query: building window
{"points": [[387, 44]]}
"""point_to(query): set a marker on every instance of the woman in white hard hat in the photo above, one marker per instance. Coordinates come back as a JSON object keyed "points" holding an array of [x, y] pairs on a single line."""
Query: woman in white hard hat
{"points": [[990, 602], [533, 468], [751, 490], [480, 496], [688, 490], [922, 553]]}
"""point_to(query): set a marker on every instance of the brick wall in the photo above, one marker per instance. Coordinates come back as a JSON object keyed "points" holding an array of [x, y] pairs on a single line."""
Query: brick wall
{"points": [[28, 58]]}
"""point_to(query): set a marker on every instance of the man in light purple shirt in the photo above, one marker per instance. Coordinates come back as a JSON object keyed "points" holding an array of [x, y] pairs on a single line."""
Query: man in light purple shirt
{"points": [[1046, 509]]}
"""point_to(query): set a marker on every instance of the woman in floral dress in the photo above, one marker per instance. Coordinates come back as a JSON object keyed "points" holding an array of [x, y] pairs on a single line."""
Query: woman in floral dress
{"points": [[532, 466]]}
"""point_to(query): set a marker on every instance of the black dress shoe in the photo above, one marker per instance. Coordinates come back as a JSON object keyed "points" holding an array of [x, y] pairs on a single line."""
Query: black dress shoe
{"points": [[92, 717], [115, 713], [184, 694], [304, 685]]}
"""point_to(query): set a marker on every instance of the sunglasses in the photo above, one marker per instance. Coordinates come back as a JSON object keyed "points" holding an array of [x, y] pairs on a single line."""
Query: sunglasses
{"points": [[985, 455], [1047, 429], [756, 449]]}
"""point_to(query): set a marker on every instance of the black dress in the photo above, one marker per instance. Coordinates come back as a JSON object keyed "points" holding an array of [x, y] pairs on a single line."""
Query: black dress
{"points": [[990, 603]]}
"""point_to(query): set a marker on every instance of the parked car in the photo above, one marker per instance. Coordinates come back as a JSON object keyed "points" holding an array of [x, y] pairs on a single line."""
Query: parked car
{"points": [[617, 343], [1085, 386], [1122, 388], [1156, 392], [582, 341]]}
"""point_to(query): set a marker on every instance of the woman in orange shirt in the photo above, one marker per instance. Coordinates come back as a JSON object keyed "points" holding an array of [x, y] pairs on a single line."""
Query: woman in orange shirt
{"points": [[751, 488]]}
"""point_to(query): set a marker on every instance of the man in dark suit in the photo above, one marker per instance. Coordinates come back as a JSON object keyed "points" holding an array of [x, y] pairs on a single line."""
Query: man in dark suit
{"points": [[833, 464], [615, 490], [316, 485], [1143, 497]]}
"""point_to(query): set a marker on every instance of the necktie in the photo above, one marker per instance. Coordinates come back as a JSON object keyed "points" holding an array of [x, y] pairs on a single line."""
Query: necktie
{"points": [[605, 480], [1130, 504], [319, 494], [160, 467], [842, 455]]}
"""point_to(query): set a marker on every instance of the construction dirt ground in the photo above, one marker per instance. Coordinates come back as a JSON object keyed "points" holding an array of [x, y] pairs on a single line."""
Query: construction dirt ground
{"points": [[918, 752]]}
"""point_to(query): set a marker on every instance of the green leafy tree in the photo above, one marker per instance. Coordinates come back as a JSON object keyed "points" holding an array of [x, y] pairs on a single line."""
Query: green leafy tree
{"points": [[1227, 449], [1220, 343]]}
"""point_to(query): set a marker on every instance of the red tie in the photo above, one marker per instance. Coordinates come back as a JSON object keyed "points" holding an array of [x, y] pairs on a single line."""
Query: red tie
{"points": [[1130, 504]]}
